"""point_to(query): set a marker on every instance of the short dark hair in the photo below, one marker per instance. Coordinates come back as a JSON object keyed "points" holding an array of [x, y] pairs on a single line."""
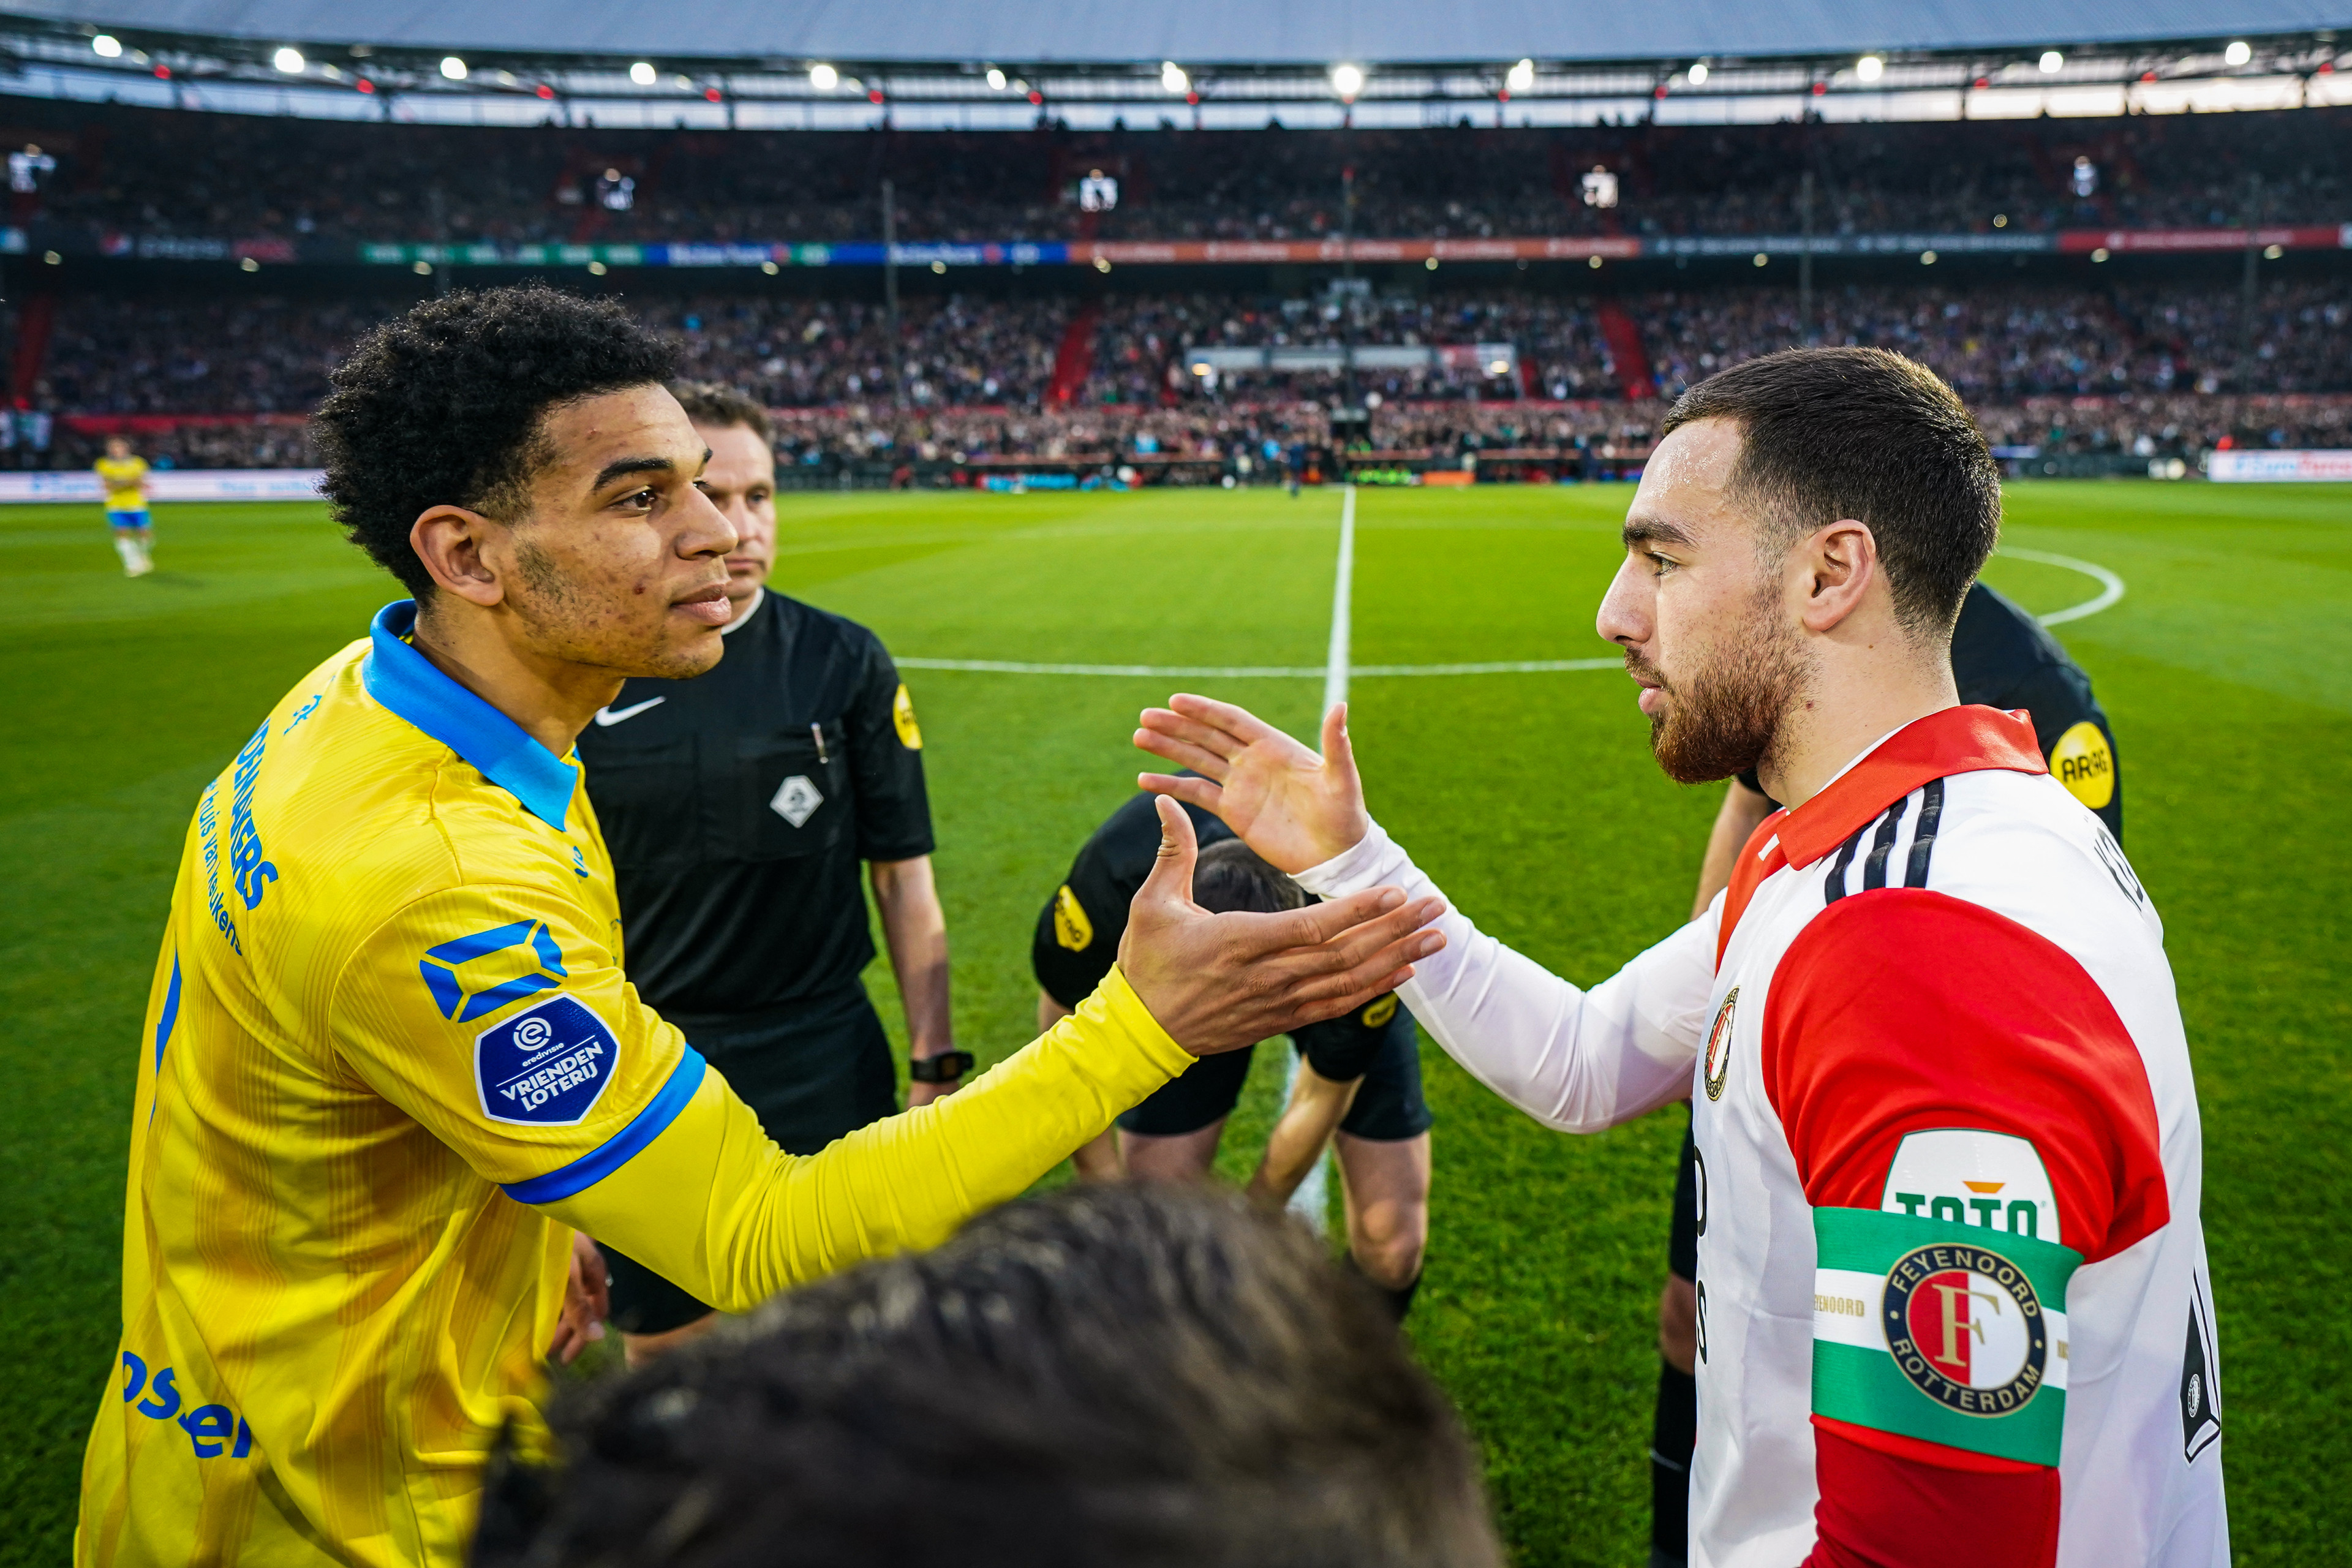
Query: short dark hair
{"points": [[719, 405], [1143, 1375], [1229, 874], [1862, 433], [442, 405]]}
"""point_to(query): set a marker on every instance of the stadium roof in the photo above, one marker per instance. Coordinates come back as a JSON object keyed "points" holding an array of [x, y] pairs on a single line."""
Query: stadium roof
{"points": [[1223, 32]]}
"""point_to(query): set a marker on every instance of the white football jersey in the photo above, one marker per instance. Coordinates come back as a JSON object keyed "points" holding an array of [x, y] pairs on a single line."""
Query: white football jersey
{"points": [[1949, 1159]]}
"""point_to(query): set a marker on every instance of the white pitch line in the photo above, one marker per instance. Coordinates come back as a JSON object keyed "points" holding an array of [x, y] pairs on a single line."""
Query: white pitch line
{"points": [[1343, 592], [2111, 587], [1312, 1201]]}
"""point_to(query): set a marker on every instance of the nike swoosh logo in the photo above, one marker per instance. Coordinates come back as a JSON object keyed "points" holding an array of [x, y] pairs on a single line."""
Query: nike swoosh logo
{"points": [[608, 717]]}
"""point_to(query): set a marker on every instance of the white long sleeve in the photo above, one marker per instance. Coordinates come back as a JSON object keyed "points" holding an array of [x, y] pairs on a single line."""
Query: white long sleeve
{"points": [[1576, 1060]]}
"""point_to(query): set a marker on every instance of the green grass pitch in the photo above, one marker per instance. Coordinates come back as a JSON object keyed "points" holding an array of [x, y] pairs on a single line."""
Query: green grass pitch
{"points": [[2227, 668]]}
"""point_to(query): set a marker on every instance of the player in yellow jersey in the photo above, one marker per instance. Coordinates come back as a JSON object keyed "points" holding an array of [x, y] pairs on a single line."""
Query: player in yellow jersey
{"points": [[124, 474], [391, 1059]]}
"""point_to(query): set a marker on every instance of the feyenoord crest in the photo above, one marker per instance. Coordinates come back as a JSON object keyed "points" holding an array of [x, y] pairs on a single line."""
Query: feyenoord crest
{"points": [[1719, 1046], [1967, 1327]]}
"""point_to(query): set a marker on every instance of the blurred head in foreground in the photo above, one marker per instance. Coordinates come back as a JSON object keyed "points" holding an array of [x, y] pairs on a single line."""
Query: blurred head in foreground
{"points": [[1130, 1375]]}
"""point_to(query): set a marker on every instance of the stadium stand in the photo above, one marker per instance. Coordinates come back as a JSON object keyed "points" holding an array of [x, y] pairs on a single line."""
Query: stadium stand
{"points": [[124, 170]]}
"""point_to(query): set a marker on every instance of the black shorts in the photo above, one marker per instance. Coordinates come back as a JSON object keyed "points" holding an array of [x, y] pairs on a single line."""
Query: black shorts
{"points": [[1682, 1233], [1388, 1108], [812, 1072]]}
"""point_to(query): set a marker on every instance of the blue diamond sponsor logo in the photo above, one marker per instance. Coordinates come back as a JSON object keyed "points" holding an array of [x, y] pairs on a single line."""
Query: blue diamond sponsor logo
{"points": [[545, 1066], [476, 975]]}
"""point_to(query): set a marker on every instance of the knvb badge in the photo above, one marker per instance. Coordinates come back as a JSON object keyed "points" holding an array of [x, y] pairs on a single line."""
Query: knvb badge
{"points": [[545, 1066]]}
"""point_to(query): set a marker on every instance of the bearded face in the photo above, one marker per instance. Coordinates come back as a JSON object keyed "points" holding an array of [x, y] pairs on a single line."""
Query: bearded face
{"points": [[1721, 706]]}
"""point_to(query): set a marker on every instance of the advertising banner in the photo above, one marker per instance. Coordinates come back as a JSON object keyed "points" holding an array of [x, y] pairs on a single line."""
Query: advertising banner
{"points": [[2274, 467]]}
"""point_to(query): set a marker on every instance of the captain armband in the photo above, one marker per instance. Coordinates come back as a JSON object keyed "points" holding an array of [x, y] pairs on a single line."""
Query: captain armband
{"points": [[1943, 1332]]}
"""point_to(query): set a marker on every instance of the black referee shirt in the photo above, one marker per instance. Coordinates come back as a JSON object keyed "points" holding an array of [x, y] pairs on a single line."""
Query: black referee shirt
{"points": [[738, 805], [1077, 940], [2003, 657]]}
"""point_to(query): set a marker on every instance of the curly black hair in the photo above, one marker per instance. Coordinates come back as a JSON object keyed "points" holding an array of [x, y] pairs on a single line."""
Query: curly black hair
{"points": [[442, 405]]}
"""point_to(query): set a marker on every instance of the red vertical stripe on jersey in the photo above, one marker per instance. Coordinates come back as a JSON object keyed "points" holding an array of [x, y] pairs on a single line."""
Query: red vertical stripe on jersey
{"points": [[1900, 1010], [1759, 858]]}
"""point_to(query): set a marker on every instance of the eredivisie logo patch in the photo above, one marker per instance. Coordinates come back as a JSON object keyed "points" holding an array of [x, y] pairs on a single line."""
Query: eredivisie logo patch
{"points": [[1966, 1326]]}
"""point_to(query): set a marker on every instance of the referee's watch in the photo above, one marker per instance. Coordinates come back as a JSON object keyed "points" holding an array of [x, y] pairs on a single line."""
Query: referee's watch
{"points": [[945, 1067]]}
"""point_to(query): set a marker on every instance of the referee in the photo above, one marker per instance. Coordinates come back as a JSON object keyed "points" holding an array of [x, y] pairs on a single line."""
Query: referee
{"points": [[738, 805], [2001, 657]]}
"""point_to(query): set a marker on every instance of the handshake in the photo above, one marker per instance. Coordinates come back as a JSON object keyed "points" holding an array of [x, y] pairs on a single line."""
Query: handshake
{"points": [[1220, 981]]}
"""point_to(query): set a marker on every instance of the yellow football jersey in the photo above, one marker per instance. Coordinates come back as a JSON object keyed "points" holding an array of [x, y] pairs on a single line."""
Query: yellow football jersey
{"points": [[389, 1058], [121, 481]]}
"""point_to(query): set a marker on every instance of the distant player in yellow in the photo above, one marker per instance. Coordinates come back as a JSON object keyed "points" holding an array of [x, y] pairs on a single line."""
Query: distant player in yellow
{"points": [[124, 474], [392, 1062]]}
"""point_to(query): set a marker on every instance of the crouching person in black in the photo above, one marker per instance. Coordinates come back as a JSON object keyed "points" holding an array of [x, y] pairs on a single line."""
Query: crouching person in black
{"points": [[1359, 1076], [741, 808]]}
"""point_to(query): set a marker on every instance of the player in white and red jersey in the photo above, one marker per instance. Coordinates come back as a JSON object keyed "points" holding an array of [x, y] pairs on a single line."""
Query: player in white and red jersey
{"points": [[1953, 1298]]}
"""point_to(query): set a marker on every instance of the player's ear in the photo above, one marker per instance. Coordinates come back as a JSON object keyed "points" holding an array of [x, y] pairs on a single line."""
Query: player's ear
{"points": [[1837, 567], [449, 540]]}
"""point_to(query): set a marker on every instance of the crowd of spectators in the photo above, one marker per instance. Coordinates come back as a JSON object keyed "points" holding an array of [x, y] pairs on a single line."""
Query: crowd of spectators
{"points": [[976, 374], [161, 173], [2000, 345]]}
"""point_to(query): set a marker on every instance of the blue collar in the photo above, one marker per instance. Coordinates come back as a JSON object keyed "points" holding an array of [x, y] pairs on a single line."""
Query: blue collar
{"points": [[406, 682]]}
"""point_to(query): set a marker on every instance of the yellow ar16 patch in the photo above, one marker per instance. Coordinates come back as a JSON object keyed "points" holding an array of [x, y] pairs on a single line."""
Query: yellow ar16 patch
{"points": [[1071, 927], [2085, 763], [1381, 1011], [902, 716]]}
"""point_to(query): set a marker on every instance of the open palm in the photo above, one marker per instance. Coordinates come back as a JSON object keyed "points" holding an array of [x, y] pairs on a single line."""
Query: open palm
{"points": [[1294, 808]]}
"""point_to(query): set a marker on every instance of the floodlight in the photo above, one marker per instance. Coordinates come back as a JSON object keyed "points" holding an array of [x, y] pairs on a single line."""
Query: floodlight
{"points": [[824, 78], [641, 73], [995, 79], [2051, 60], [1346, 81], [106, 47], [1172, 77], [1522, 77], [1870, 68], [2239, 52], [1698, 73], [287, 60], [453, 68]]}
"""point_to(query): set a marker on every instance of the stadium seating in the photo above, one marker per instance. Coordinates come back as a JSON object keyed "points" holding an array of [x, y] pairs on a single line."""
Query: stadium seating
{"points": [[142, 172]]}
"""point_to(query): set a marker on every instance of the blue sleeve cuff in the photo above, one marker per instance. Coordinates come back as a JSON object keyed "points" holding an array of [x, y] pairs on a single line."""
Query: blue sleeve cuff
{"points": [[623, 1146]]}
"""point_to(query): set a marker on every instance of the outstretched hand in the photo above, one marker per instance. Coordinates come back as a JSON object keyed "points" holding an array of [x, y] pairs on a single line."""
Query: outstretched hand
{"points": [[1220, 982], [1293, 807]]}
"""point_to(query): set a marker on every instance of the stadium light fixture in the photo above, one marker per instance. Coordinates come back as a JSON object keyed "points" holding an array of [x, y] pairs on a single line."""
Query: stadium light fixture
{"points": [[824, 78], [1348, 80], [2239, 52], [287, 60], [106, 47], [641, 73], [1172, 79], [1522, 77], [2051, 60], [995, 79], [1698, 73], [453, 68], [1870, 68]]}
